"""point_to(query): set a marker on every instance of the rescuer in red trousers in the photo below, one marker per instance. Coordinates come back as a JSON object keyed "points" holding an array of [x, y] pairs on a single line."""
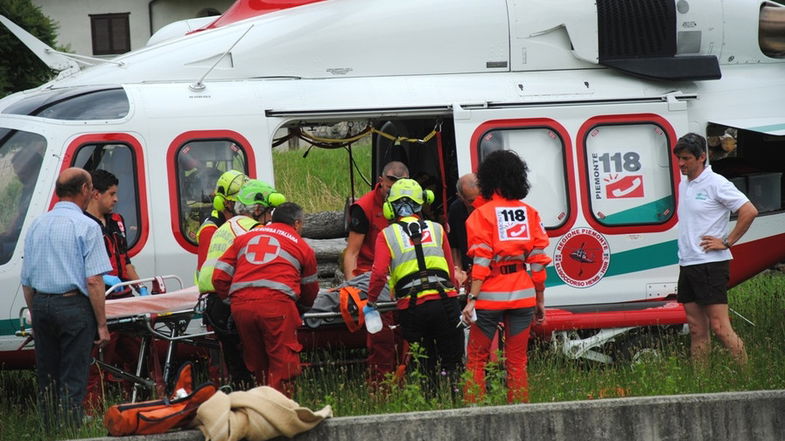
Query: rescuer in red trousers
{"points": [[366, 220], [268, 273], [504, 235]]}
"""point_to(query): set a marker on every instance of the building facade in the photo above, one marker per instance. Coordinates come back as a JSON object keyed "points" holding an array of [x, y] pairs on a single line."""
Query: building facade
{"points": [[107, 28]]}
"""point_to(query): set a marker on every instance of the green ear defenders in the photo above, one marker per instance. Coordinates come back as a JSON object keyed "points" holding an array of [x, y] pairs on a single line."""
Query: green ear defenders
{"points": [[388, 211], [227, 188], [261, 193], [405, 188]]}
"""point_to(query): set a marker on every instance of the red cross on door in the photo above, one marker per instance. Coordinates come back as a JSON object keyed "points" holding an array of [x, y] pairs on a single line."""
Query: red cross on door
{"points": [[262, 249]]}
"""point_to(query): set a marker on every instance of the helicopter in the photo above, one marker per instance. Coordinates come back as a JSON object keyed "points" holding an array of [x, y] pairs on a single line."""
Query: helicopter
{"points": [[593, 95]]}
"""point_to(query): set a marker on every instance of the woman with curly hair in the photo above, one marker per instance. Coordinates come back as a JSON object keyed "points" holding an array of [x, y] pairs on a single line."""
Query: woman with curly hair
{"points": [[503, 236]]}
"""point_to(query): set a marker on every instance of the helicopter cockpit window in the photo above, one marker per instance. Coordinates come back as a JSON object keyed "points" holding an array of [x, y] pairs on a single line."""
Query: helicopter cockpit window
{"points": [[543, 151], [630, 175], [21, 155], [118, 159], [199, 165], [78, 104]]}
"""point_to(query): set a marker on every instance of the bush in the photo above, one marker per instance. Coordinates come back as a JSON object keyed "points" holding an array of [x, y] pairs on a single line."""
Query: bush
{"points": [[20, 69]]}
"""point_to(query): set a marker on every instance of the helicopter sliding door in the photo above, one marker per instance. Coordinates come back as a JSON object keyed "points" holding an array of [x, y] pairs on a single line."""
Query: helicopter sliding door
{"points": [[604, 182]]}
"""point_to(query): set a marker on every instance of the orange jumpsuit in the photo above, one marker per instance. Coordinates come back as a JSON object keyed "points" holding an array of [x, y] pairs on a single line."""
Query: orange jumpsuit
{"points": [[504, 236]]}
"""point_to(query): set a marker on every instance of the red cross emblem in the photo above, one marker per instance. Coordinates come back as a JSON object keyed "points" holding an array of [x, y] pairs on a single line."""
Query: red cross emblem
{"points": [[262, 249]]}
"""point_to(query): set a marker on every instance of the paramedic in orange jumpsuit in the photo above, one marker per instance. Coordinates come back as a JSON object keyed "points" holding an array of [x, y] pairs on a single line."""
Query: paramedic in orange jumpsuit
{"points": [[504, 236], [269, 273], [365, 222]]}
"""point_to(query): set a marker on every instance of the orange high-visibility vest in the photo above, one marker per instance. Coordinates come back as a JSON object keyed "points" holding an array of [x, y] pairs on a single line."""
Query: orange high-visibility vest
{"points": [[504, 236]]}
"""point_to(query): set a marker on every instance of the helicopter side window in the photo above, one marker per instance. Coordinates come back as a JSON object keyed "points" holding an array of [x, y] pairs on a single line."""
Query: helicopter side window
{"points": [[543, 150], [21, 156], [74, 104], [120, 160], [198, 165], [629, 172]]}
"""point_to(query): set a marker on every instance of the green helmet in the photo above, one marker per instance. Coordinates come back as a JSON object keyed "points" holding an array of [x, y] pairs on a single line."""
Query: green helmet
{"points": [[406, 188], [256, 192], [230, 183]]}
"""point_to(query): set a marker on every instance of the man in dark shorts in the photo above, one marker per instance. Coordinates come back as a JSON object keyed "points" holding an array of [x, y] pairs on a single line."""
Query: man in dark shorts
{"points": [[706, 201]]}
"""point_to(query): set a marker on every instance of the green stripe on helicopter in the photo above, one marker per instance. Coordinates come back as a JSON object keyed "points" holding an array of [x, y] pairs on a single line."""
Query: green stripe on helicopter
{"points": [[625, 262], [653, 212], [639, 259]]}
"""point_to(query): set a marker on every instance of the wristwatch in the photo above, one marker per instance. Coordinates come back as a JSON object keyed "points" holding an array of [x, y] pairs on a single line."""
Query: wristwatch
{"points": [[726, 243], [471, 297]]}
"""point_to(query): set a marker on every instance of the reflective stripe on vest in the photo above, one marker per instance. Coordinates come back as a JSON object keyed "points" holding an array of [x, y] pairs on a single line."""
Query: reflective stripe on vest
{"points": [[264, 283], [222, 239], [485, 298], [480, 245], [309, 279], [225, 267], [481, 261], [404, 257], [499, 258]]}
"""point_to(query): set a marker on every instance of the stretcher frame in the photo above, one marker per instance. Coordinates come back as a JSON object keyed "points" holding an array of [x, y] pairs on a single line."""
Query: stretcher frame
{"points": [[170, 326], [166, 325]]}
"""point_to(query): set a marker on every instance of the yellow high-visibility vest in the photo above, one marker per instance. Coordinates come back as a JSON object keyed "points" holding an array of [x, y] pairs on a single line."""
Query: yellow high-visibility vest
{"points": [[221, 241]]}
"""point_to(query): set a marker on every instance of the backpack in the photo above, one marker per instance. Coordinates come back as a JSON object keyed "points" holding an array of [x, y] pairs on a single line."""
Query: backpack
{"points": [[160, 416]]}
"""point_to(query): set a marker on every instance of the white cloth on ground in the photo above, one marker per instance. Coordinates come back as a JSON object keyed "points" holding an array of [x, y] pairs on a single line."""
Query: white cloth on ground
{"points": [[259, 414]]}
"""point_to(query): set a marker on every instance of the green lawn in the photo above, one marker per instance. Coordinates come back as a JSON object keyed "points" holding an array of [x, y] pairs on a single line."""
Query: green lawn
{"points": [[321, 181], [552, 377]]}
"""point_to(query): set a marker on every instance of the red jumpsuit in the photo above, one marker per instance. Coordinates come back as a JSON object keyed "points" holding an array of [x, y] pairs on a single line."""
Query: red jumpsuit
{"points": [[382, 354], [267, 272], [504, 236], [122, 350]]}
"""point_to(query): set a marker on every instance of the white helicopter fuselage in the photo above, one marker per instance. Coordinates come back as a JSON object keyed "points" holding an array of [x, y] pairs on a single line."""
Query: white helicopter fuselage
{"points": [[532, 76]]}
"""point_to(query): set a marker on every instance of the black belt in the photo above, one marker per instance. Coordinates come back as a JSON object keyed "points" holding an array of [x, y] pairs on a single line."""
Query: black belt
{"points": [[70, 293], [509, 268]]}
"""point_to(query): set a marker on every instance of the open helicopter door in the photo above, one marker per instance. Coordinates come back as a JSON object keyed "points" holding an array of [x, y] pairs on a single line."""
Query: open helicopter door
{"points": [[604, 182]]}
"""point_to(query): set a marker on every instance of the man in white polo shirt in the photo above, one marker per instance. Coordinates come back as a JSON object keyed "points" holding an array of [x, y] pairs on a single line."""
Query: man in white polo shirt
{"points": [[706, 201]]}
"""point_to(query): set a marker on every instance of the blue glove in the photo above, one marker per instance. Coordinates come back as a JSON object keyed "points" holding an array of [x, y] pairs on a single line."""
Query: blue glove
{"points": [[143, 291], [111, 280]]}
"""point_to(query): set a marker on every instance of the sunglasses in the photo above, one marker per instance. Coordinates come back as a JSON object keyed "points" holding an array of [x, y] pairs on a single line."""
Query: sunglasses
{"points": [[394, 178]]}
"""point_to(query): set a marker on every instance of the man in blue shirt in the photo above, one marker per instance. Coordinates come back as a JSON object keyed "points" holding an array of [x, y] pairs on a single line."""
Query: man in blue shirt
{"points": [[65, 259]]}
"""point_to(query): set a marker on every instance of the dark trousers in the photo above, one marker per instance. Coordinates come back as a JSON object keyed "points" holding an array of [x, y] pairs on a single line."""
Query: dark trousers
{"points": [[64, 328], [433, 325], [219, 317]]}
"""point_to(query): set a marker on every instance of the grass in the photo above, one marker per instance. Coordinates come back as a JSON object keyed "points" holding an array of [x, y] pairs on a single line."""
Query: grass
{"points": [[320, 181], [10, 191], [552, 377]]}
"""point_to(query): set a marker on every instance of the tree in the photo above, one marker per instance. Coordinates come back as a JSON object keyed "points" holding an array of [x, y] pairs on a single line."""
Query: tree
{"points": [[20, 69]]}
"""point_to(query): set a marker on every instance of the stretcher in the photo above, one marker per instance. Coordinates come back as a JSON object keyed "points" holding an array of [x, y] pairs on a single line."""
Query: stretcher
{"points": [[162, 317], [168, 319]]}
